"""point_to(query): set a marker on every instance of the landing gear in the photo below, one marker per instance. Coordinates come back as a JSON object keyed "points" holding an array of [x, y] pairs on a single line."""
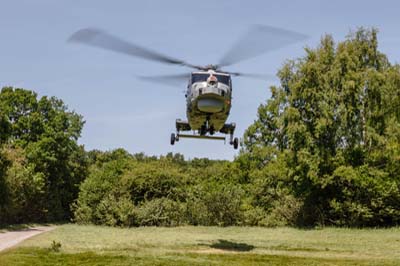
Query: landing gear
{"points": [[173, 139], [205, 132], [212, 130], [180, 126], [230, 129], [235, 143]]}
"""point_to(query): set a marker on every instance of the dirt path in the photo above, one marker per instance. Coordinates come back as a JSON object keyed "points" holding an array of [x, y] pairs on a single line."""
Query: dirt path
{"points": [[11, 238]]}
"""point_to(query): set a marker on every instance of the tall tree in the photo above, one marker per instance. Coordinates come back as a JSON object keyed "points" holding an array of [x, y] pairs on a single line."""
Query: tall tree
{"points": [[335, 121], [47, 133], [4, 133]]}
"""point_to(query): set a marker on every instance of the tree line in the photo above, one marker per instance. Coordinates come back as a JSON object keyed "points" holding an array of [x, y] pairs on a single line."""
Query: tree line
{"points": [[323, 150]]}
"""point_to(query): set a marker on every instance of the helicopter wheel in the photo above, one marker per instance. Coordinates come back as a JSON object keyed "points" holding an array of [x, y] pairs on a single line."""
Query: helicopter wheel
{"points": [[203, 130], [173, 138], [212, 130], [235, 143]]}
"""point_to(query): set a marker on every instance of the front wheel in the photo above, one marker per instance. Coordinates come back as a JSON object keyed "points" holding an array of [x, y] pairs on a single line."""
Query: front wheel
{"points": [[173, 139], [235, 143]]}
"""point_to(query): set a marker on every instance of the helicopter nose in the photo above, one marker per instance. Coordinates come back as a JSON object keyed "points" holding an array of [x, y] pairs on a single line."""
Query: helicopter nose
{"points": [[210, 105]]}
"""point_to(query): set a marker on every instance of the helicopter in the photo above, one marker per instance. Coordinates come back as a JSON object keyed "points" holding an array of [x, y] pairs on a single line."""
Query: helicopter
{"points": [[209, 89]]}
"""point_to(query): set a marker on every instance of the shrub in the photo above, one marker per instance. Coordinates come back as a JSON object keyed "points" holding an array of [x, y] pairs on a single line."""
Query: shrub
{"points": [[161, 212], [55, 246], [96, 189], [215, 204], [25, 190], [116, 209], [151, 180]]}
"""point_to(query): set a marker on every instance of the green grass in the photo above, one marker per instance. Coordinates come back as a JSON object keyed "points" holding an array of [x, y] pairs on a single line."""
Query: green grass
{"points": [[94, 245]]}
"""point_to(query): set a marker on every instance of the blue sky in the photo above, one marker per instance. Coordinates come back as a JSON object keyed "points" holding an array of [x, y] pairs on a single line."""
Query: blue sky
{"points": [[122, 111]]}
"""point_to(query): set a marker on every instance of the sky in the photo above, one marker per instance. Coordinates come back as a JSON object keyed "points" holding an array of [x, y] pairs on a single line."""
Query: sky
{"points": [[122, 111]]}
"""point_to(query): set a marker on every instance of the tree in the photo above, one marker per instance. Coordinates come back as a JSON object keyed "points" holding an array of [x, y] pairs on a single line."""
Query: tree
{"points": [[47, 133], [335, 120]]}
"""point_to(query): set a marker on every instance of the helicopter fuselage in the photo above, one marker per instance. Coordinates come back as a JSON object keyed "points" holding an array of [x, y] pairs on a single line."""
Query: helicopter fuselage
{"points": [[208, 103], [209, 97]]}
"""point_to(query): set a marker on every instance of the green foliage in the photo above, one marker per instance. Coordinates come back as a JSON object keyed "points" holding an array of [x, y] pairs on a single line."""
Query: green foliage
{"points": [[161, 212], [222, 203], [214, 203], [55, 246], [168, 191], [98, 188], [364, 196], [26, 189], [333, 126], [4, 193], [155, 179], [271, 203], [116, 209], [46, 163]]}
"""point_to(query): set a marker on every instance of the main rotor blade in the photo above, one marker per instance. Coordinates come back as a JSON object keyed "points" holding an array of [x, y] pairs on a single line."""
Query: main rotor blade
{"points": [[259, 39], [101, 39], [172, 80], [251, 75]]}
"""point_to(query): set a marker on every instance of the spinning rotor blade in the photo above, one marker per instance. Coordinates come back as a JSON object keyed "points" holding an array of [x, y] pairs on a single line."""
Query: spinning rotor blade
{"points": [[250, 75], [101, 39], [173, 80], [258, 40]]}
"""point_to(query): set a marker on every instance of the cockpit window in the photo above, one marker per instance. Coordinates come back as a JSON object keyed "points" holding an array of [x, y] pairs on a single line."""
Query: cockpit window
{"points": [[201, 77], [223, 79]]}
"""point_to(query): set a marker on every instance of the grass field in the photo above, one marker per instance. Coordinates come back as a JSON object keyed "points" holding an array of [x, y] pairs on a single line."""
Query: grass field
{"points": [[93, 245]]}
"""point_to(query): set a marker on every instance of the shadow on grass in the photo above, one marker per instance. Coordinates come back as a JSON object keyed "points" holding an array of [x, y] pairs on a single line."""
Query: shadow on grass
{"points": [[231, 246]]}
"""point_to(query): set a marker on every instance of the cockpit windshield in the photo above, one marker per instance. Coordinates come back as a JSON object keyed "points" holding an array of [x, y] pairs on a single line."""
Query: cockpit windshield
{"points": [[201, 77], [223, 79]]}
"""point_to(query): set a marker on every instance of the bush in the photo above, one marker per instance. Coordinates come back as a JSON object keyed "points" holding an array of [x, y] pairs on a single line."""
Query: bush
{"points": [[97, 189], [116, 209], [25, 190], [55, 246], [365, 196], [215, 204], [150, 180], [161, 212]]}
